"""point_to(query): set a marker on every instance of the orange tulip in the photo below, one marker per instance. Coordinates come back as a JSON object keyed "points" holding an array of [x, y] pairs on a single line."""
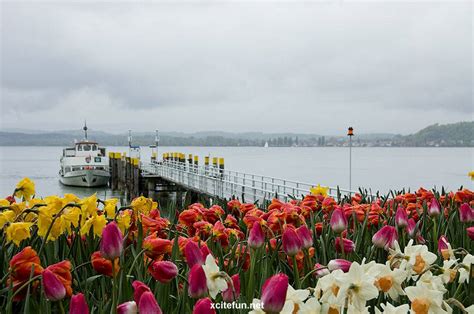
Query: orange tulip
{"points": [[104, 266], [20, 270], [155, 247]]}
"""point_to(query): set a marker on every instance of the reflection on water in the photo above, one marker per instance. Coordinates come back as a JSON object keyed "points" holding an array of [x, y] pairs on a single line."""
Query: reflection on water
{"points": [[376, 168]]}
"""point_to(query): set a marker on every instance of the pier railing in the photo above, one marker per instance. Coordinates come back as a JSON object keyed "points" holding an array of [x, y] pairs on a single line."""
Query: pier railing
{"points": [[224, 183]]}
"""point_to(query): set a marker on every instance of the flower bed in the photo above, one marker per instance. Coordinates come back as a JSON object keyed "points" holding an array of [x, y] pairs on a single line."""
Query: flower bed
{"points": [[389, 254]]}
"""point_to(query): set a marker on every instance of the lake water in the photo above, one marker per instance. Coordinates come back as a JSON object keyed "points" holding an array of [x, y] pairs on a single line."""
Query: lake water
{"points": [[372, 167]]}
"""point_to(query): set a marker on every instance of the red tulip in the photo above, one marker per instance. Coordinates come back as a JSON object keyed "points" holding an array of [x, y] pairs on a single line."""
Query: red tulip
{"points": [[148, 304], [129, 307], [54, 290], [466, 213], [341, 264], [78, 304], [193, 254], [163, 271], [401, 217], [230, 294], [470, 232], [197, 282], [291, 243], [348, 245], [434, 209], [104, 266], [338, 221], [274, 293], [305, 236], [111, 244], [256, 236], [156, 247], [21, 265], [385, 237], [139, 288], [203, 306]]}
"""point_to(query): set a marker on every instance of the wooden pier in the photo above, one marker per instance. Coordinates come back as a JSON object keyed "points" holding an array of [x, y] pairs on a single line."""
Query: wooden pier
{"points": [[185, 176]]}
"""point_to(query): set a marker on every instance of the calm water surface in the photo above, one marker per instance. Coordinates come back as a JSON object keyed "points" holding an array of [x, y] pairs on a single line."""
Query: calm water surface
{"points": [[375, 168]]}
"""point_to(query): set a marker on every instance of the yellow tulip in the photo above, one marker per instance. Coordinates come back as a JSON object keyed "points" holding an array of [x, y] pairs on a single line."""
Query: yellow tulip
{"points": [[6, 216], [18, 231], [320, 190], [25, 188], [110, 206]]}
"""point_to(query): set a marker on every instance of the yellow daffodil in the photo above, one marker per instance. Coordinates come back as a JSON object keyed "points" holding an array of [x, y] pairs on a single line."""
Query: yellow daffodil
{"points": [[45, 219], [123, 220], [6, 216], [25, 188], [18, 207], [471, 174], [55, 204], [96, 222], [320, 190], [4, 202], [70, 198], [89, 205], [110, 206], [70, 217], [142, 205], [18, 231]]}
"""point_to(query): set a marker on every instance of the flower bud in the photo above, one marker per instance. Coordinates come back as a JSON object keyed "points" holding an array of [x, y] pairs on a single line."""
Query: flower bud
{"points": [[401, 217], [78, 305], [111, 244], [274, 293], [411, 227], [338, 221], [129, 307], [193, 254], [148, 304], [230, 294], [139, 288], [385, 237], [466, 213], [305, 236], [256, 236], [347, 244], [291, 243], [320, 270], [204, 306], [53, 288], [444, 247], [470, 232], [197, 282], [339, 263], [163, 271], [434, 209]]}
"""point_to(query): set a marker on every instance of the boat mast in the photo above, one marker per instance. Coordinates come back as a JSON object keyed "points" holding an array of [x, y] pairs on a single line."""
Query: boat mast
{"points": [[85, 129]]}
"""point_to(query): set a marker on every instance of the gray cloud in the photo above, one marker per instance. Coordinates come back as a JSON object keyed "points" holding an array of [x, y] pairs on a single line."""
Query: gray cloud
{"points": [[306, 67]]}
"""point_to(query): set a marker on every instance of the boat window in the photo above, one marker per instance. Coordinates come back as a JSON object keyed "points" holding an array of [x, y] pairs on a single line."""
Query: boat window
{"points": [[94, 147], [67, 169], [79, 147], [87, 147]]}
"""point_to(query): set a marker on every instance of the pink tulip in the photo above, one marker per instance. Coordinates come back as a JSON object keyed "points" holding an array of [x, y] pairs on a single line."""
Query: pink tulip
{"points": [[466, 213], [193, 254], [442, 243], [78, 304], [338, 221], [230, 294], [111, 244], [129, 307], [385, 237], [148, 304], [411, 227], [163, 271], [139, 288], [54, 289], [470, 232], [348, 245], [291, 243], [274, 293], [339, 263], [197, 282], [305, 235], [320, 270], [401, 217], [203, 306], [256, 236], [434, 209]]}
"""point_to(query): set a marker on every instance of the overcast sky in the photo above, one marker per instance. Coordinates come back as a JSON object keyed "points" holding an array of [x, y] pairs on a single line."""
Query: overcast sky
{"points": [[240, 66]]}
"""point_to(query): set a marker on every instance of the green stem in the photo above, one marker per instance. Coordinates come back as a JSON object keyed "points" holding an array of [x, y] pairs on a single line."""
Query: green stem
{"points": [[296, 272]]}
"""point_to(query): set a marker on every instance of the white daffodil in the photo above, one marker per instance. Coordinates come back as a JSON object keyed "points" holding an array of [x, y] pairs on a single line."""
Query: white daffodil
{"points": [[424, 300], [419, 257], [465, 267], [357, 287], [332, 305], [390, 309], [215, 279], [328, 286], [431, 282], [311, 306], [257, 307], [449, 272], [389, 281], [294, 299]]}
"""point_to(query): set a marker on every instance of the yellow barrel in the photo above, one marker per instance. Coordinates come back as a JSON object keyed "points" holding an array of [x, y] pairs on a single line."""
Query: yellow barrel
{"points": [[214, 161], [196, 160], [221, 162], [206, 160]]}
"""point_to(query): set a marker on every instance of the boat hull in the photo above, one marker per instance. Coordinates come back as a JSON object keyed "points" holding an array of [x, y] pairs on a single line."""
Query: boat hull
{"points": [[85, 178]]}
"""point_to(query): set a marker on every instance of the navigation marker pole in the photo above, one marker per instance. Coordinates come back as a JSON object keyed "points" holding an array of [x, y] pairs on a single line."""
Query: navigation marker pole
{"points": [[350, 133]]}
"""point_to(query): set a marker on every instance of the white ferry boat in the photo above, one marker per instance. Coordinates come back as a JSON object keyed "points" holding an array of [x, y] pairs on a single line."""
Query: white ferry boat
{"points": [[86, 164]]}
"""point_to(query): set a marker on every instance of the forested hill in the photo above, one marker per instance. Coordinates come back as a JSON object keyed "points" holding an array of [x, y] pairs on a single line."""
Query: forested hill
{"points": [[456, 134]]}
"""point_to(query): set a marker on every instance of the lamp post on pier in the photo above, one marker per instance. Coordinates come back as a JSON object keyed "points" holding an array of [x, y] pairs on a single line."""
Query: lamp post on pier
{"points": [[350, 133]]}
